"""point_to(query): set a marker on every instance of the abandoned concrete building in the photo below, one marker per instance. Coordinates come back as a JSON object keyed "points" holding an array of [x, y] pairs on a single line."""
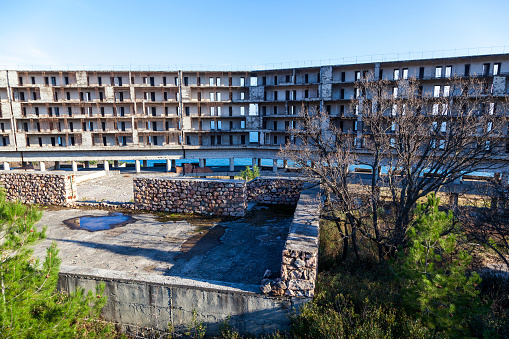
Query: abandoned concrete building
{"points": [[137, 115]]}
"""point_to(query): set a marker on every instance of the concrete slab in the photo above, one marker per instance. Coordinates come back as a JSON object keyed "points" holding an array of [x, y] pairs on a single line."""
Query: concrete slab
{"points": [[229, 251]]}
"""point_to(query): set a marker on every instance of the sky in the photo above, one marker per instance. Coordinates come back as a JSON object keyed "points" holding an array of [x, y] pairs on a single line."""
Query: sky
{"points": [[241, 33]]}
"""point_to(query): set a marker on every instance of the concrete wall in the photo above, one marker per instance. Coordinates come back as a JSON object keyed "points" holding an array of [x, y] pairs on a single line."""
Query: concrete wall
{"points": [[175, 195], [153, 301], [43, 189]]}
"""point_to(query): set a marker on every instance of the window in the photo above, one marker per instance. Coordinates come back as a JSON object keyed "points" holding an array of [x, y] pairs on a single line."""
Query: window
{"points": [[421, 73], [242, 81], [53, 81], [219, 125], [436, 92], [230, 111], [212, 111], [343, 76], [394, 92], [275, 126], [275, 139], [119, 81], [405, 73], [66, 80], [342, 94], [342, 109], [211, 96], [176, 80], [242, 96], [46, 80], [243, 139], [486, 69], [164, 81], [496, 68], [219, 111], [212, 124], [438, 72], [218, 81], [435, 109], [186, 81], [33, 80], [357, 75], [467, 70], [447, 90], [242, 111], [275, 95], [99, 81], [103, 126], [306, 93], [275, 79], [218, 96], [275, 110], [306, 78], [242, 124], [395, 74], [187, 111], [448, 71], [152, 81]]}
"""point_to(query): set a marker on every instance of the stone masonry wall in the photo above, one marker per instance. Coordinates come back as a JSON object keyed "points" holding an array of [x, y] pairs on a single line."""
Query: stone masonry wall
{"points": [[176, 195], [42, 189], [299, 264], [274, 190]]}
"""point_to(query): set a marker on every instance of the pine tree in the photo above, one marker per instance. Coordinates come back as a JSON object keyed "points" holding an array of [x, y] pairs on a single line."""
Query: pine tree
{"points": [[30, 306], [436, 283]]}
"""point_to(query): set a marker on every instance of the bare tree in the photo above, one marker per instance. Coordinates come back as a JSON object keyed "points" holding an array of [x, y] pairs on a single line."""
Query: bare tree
{"points": [[414, 141]]}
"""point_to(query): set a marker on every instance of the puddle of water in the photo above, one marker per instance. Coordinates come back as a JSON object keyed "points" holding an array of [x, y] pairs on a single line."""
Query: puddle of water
{"points": [[93, 223]]}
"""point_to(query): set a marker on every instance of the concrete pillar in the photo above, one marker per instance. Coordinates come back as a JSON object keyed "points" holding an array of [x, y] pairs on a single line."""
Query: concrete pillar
{"points": [[274, 165], [203, 162], [57, 165], [232, 164], [168, 165], [285, 163], [87, 164], [145, 164], [74, 166], [173, 163], [115, 163], [259, 162], [7, 167], [254, 162], [137, 166], [106, 166], [42, 166]]}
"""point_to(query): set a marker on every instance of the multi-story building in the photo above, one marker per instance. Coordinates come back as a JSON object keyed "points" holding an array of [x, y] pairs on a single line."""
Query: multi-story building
{"points": [[136, 115]]}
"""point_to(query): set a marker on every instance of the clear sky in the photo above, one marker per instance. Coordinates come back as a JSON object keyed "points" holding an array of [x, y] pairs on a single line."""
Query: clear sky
{"points": [[214, 32]]}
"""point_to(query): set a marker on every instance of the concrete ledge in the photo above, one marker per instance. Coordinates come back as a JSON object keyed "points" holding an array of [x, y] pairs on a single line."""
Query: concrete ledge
{"points": [[144, 300]]}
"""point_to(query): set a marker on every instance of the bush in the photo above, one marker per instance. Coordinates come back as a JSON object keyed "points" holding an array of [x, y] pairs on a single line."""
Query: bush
{"points": [[249, 174]]}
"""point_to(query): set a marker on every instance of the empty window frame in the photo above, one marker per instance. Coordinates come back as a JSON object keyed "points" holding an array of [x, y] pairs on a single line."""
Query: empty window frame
{"points": [[467, 70], [486, 69], [438, 72], [395, 75], [405, 73], [448, 71], [421, 72], [496, 68]]}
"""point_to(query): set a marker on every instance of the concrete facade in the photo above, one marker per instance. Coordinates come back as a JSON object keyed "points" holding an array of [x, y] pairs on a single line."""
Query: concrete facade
{"points": [[136, 115]]}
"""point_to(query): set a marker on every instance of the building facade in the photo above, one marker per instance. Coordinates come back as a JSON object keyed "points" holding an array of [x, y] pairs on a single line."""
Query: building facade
{"points": [[136, 115]]}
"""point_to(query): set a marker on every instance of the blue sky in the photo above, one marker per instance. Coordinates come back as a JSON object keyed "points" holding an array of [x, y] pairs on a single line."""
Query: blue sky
{"points": [[66, 32]]}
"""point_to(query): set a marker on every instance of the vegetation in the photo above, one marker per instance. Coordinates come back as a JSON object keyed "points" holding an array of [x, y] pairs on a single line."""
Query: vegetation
{"points": [[30, 305], [249, 174]]}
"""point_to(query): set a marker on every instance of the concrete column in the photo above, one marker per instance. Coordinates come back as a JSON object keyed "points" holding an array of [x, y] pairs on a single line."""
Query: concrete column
{"points": [[57, 165], [203, 162], [137, 166], [173, 163], [74, 166], [259, 162], [274, 165], [106, 166], [168, 165], [145, 164], [115, 163], [285, 163], [7, 167], [42, 166], [87, 164], [232, 164], [254, 162]]}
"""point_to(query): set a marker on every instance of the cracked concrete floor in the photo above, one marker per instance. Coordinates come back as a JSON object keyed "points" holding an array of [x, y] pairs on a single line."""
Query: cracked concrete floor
{"points": [[237, 251]]}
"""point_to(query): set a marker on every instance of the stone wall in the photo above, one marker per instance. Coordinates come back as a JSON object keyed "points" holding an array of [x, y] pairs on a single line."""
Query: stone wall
{"points": [[42, 189], [274, 190], [299, 264], [179, 195]]}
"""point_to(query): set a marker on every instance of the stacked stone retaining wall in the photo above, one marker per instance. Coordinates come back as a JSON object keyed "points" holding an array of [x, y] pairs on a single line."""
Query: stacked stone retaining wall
{"points": [[42, 189], [274, 190], [175, 195]]}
